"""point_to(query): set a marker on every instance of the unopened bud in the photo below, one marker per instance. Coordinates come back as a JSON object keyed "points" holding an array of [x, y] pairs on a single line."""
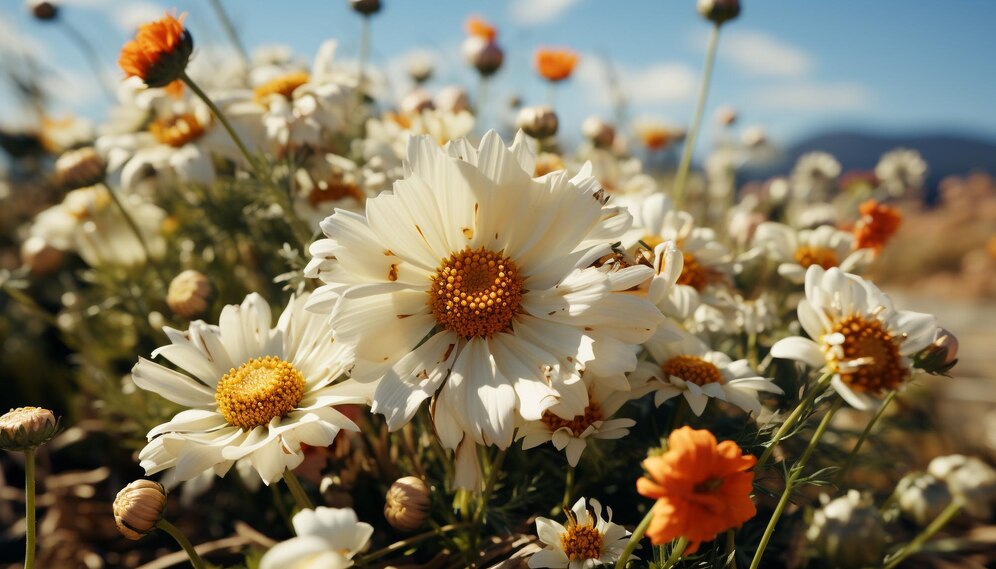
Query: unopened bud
{"points": [[719, 11], [970, 480], [537, 122], [190, 294], [599, 132], [138, 508], [407, 505], [483, 54], [452, 98], [43, 10], [415, 102], [726, 116], [922, 498], [79, 168], [27, 428], [40, 257], [848, 532], [365, 7], [420, 67]]}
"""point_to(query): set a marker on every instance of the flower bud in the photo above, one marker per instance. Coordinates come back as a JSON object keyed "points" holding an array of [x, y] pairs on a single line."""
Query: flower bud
{"points": [[407, 505], [599, 132], [726, 116], [483, 54], [420, 67], [415, 102], [921, 497], [754, 137], [452, 98], [537, 122], [138, 508], [79, 168], [939, 357], [27, 428], [719, 11], [365, 7], [42, 10], [190, 294], [969, 480], [848, 533], [40, 257]]}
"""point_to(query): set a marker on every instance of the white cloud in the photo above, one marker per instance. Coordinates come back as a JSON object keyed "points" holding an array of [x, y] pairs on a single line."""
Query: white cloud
{"points": [[536, 12], [659, 83], [814, 97], [758, 53]]}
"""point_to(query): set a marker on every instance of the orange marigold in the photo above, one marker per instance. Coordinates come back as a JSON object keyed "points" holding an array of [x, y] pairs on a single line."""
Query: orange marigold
{"points": [[702, 488], [877, 225], [159, 53], [480, 28], [555, 64]]}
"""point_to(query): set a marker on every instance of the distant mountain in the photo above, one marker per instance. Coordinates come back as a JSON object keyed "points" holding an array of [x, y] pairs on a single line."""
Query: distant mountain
{"points": [[945, 153]]}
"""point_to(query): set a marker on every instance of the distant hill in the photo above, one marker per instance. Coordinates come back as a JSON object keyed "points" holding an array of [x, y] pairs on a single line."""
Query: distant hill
{"points": [[945, 153]]}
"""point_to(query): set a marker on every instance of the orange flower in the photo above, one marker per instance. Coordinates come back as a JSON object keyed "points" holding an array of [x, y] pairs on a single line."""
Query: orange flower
{"points": [[702, 488], [877, 225], [479, 28], [159, 53], [555, 64]]}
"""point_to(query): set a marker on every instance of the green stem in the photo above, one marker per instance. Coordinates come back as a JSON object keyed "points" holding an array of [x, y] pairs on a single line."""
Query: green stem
{"points": [[679, 548], [686, 153], [233, 36], [790, 483], [912, 547], [169, 528], [731, 549], [568, 483], [404, 544], [30, 305], [29, 504], [138, 235], [634, 539], [296, 490], [222, 119], [365, 34], [861, 440], [793, 418], [489, 486]]}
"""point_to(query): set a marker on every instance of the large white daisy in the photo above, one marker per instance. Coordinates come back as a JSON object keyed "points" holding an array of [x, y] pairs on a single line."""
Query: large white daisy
{"points": [[586, 541], [473, 280], [254, 393], [856, 334], [825, 246], [327, 538]]}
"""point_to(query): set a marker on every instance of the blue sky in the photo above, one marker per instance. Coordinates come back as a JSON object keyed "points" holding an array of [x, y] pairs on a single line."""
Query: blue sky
{"points": [[793, 67]]}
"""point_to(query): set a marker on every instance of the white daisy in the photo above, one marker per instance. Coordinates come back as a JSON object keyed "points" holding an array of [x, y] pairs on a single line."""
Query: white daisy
{"points": [[327, 538], [900, 170], [587, 541], [856, 334], [814, 175], [472, 279], [825, 246], [254, 393], [623, 178], [326, 182], [686, 366]]}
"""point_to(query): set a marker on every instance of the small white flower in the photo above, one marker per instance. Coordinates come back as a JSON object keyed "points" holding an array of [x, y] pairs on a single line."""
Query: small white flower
{"points": [[327, 538], [900, 170], [856, 334], [825, 246], [587, 541], [813, 175]]}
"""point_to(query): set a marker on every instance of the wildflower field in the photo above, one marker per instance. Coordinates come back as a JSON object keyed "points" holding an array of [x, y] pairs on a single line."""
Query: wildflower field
{"points": [[279, 310]]}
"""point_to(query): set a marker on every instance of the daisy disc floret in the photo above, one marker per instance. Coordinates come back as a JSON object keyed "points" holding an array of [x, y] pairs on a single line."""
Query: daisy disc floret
{"points": [[585, 541], [159, 53], [857, 335], [472, 281]]}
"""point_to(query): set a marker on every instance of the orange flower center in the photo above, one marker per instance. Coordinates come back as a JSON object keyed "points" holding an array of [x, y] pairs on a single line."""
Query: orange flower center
{"points": [[548, 162], [654, 138], [581, 542], [577, 425], [882, 367], [877, 225], [692, 369], [693, 273], [334, 191], [178, 130], [259, 391], [283, 86], [824, 257], [476, 293]]}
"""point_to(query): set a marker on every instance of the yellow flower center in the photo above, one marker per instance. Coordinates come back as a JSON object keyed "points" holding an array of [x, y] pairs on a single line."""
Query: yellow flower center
{"points": [[578, 424], [652, 241], [259, 391], [547, 162], [581, 542], [283, 86], [476, 293], [334, 190], [692, 369], [177, 130], [882, 368], [824, 257], [693, 273]]}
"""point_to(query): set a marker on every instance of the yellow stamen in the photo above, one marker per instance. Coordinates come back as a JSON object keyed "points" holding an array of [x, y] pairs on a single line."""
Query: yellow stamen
{"points": [[476, 293], [283, 86], [178, 130], [866, 340], [824, 257], [581, 542], [259, 391], [578, 424], [692, 369], [694, 274]]}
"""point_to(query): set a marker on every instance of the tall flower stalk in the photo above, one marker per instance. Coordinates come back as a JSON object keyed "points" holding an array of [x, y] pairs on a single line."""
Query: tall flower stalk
{"points": [[681, 177]]}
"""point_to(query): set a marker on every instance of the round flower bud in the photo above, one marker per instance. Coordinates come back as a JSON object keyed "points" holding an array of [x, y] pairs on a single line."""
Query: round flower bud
{"points": [[452, 98], [407, 505], [969, 480], [939, 357], [365, 7], [190, 294], [719, 11], [138, 508], [415, 102], [537, 122], [599, 132], [848, 533], [26, 428], [483, 54], [726, 116], [921, 497], [42, 10], [420, 67], [40, 257], [79, 168]]}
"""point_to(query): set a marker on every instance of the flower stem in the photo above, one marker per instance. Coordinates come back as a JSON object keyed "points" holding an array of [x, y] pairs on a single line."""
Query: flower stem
{"points": [[406, 543], [686, 153], [138, 234], [568, 483], [221, 118], [797, 469], [195, 558], [634, 539], [296, 490], [29, 504], [679, 548], [861, 440], [912, 547], [365, 39], [489, 485], [793, 418]]}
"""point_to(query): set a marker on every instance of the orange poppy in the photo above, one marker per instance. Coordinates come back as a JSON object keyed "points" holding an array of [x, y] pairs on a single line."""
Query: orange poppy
{"points": [[480, 28], [159, 53], [555, 64], [877, 225], [702, 488]]}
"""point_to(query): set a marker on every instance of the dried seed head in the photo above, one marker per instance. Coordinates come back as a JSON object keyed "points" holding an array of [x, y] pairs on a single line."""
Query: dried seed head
{"points": [[138, 508]]}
